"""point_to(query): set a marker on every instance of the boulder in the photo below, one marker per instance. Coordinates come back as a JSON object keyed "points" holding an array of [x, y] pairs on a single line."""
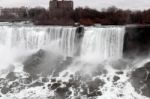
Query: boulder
{"points": [[55, 85], [5, 90], [116, 78], [11, 76], [31, 64], [43, 63], [140, 79]]}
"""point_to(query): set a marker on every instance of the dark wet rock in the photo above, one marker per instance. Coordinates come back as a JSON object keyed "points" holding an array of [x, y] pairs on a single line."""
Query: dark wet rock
{"points": [[69, 84], [5, 90], [73, 83], [99, 93], [55, 85], [140, 79], [59, 81], [94, 94], [136, 41], [44, 80], [68, 93], [80, 32], [26, 80], [36, 84], [62, 92], [53, 80], [140, 73], [11, 76], [120, 72], [89, 89], [14, 84], [116, 78], [44, 87], [49, 86], [45, 63], [147, 66], [85, 90], [146, 91], [94, 85], [3, 81], [16, 87], [76, 84], [71, 76], [80, 85], [148, 77], [121, 95], [30, 65]]}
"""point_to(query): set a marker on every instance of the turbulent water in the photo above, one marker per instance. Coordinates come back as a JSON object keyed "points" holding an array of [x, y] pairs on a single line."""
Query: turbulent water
{"points": [[94, 69]]}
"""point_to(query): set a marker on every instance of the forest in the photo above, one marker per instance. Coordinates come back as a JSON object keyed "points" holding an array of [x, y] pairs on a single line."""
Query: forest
{"points": [[87, 16], [110, 16]]}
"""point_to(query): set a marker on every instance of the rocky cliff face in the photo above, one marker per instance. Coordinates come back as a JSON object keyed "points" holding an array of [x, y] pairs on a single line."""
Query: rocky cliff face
{"points": [[137, 41], [141, 79]]}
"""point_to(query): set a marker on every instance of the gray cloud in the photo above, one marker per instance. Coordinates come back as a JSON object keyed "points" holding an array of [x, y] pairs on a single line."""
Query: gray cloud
{"points": [[98, 4]]}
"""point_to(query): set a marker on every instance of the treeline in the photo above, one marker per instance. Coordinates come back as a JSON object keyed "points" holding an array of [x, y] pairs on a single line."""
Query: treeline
{"points": [[110, 16], [84, 16], [7, 14]]}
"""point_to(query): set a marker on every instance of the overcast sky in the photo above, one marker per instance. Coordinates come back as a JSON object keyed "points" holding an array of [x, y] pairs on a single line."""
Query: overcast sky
{"points": [[98, 4]]}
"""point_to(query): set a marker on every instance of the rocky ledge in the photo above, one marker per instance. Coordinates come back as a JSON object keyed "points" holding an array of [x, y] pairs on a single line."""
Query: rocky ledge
{"points": [[141, 79]]}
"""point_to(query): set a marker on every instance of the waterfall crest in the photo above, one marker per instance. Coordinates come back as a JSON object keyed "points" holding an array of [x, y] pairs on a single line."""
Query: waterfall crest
{"points": [[103, 43], [97, 43], [30, 38]]}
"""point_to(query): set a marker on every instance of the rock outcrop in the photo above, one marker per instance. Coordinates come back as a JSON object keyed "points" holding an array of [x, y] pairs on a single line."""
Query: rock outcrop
{"points": [[141, 80], [137, 41], [45, 63]]}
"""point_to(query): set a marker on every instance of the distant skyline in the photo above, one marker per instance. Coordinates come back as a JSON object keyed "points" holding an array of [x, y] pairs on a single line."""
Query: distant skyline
{"points": [[97, 4]]}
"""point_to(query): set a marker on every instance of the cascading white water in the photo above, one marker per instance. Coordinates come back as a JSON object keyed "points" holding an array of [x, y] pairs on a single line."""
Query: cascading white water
{"points": [[98, 44], [103, 43], [15, 41], [37, 37]]}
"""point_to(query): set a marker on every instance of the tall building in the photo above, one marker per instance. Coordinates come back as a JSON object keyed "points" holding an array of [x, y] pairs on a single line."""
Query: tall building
{"points": [[0, 11], [59, 9]]}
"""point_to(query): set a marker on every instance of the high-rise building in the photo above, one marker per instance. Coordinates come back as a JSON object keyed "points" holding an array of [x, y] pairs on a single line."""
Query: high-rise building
{"points": [[0, 11], [61, 8]]}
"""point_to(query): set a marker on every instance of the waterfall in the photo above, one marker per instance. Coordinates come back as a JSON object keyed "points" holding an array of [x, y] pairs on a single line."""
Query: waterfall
{"points": [[91, 74], [18, 41], [103, 43], [30, 38], [97, 44]]}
